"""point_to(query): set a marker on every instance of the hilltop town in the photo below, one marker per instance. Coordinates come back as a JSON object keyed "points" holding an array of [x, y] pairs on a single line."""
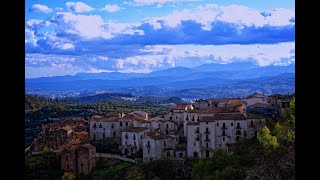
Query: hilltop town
{"points": [[191, 130]]}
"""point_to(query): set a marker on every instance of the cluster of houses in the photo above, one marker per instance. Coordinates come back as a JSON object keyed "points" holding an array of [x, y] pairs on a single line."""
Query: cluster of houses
{"points": [[191, 130]]}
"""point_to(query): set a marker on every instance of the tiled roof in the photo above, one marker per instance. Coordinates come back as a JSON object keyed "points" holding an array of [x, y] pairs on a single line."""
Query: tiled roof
{"points": [[206, 119], [255, 95], [254, 116], [259, 105], [210, 110], [229, 117], [135, 129], [181, 106], [157, 136], [193, 123]]}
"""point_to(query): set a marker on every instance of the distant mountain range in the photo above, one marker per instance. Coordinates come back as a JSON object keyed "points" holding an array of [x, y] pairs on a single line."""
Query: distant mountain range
{"points": [[234, 79]]}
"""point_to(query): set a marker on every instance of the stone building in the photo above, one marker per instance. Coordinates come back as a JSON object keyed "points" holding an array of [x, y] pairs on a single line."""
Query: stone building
{"points": [[280, 102], [132, 140], [218, 131], [78, 159], [158, 145]]}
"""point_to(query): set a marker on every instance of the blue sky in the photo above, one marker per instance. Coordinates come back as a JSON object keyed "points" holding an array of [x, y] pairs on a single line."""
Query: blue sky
{"points": [[67, 37]]}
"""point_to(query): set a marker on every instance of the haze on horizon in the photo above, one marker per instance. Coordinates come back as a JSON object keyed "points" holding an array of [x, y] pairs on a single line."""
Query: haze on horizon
{"points": [[91, 36]]}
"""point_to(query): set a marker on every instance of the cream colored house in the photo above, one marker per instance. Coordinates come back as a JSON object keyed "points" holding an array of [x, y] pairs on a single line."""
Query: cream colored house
{"points": [[132, 140]]}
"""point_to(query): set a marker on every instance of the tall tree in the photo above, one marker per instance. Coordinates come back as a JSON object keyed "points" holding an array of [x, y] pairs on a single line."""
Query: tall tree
{"points": [[266, 139]]}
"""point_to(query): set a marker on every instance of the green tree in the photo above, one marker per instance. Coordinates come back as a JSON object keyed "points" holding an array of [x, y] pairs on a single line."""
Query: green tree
{"points": [[266, 139], [134, 174], [68, 176]]}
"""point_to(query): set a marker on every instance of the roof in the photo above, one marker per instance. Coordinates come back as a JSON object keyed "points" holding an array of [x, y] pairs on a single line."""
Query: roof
{"points": [[181, 106], [89, 146], [224, 99], [254, 116], [210, 110], [135, 129], [275, 95], [157, 136], [259, 105], [193, 123], [164, 121], [128, 117], [255, 95], [223, 116]]}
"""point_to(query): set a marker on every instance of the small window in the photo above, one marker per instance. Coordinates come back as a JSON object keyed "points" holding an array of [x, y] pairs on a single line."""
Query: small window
{"points": [[67, 158], [148, 151], [223, 139], [176, 117], [67, 166], [126, 123], [207, 122], [194, 144], [81, 164], [120, 124], [217, 124], [207, 144], [231, 124], [170, 117]]}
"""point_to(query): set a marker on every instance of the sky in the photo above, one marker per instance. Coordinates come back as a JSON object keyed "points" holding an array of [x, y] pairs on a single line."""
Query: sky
{"points": [[65, 37]]}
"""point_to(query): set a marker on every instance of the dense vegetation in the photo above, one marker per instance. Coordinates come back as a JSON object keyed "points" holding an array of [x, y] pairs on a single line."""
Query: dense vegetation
{"points": [[269, 156]]}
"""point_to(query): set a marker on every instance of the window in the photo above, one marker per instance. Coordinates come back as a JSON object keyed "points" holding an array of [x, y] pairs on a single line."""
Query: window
{"points": [[207, 122], [208, 104], [170, 117], [207, 145], [112, 125], [126, 142], [223, 139], [100, 125], [194, 144], [134, 137], [192, 118], [141, 136], [120, 124], [67, 158], [231, 124], [126, 136], [219, 145], [217, 124], [176, 117], [67, 166], [126, 123], [148, 151], [167, 125], [114, 134], [94, 136], [135, 144], [164, 143], [81, 164], [104, 135], [223, 124]]}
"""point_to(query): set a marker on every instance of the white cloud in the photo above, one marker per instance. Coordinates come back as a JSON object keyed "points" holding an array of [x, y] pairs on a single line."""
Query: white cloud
{"points": [[262, 54], [238, 15], [159, 3], [41, 8], [35, 23], [79, 7], [63, 45], [78, 24], [111, 8], [58, 8]]}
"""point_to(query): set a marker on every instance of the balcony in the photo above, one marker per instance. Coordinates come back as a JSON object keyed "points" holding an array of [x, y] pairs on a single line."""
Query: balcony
{"points": [[224, 127], [197, 139], [238, 127], [197, 131], [207, 132], [207, 140], [148, 146], [94, 126]]}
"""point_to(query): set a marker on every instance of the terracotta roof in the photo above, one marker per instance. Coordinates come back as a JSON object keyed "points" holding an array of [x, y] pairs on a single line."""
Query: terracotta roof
{"points": [[89, 146], [255, 95], [157, 136], [193, 123], [223, 116], [259, 105], [181, 106], [206, 119], [94, 117], [254, 116], [210, 110], [135, 129]]}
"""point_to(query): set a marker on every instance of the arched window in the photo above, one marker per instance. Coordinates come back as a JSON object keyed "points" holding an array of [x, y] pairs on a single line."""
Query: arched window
{"points": [[120, 124]]}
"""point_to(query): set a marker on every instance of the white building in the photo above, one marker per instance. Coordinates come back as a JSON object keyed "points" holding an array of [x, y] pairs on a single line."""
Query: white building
{"points": [[253, 99], [157, 145], [103, 128], [132, 140], [218, 131]]}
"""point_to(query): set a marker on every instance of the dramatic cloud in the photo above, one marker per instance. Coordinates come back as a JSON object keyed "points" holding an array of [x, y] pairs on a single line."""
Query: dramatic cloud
{"points": [[158, 2], [40, 8], [111, 8], [156, 57], [79, 7]]}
